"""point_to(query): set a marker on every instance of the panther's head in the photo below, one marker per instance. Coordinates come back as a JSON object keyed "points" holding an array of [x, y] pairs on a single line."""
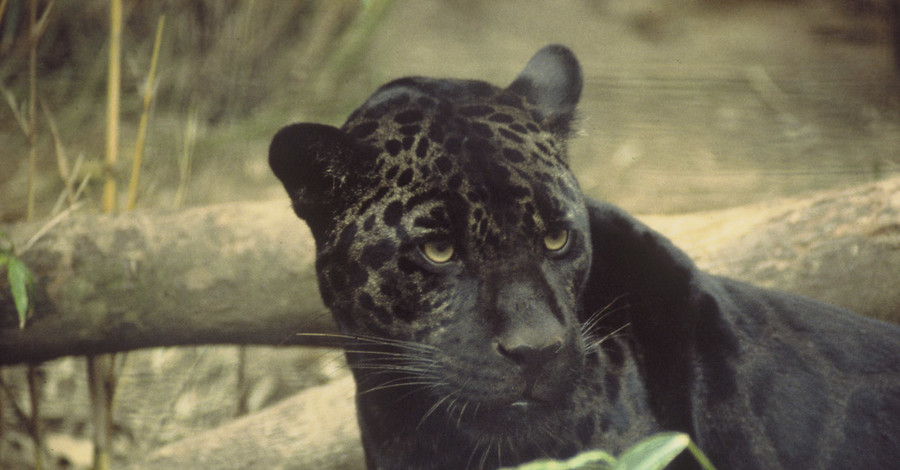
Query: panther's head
{"points": [[452, 238]]}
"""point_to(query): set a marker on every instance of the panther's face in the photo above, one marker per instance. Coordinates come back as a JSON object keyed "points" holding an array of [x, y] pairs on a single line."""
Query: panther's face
{"points": [[453, 241]]}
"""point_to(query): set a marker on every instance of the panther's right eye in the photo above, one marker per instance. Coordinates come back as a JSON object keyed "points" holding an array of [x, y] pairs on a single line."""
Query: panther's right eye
{"points": [[438, 252], [556, 240]]}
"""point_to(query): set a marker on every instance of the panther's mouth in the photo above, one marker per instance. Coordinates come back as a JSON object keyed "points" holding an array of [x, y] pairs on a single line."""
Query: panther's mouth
{"points": [[525, 401], [523, 407], [511, 418], [526, 405]]}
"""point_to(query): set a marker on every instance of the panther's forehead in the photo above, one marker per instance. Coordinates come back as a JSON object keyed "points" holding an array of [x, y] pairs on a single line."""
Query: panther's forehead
{"points": [[462, 155]]}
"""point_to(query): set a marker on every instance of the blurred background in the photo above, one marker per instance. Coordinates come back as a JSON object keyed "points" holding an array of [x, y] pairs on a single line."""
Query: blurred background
{"points": [[688, 105]]}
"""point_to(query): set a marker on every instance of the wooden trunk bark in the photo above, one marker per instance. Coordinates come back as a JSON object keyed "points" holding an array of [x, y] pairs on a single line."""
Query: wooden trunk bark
{"points": [[315, 429], [225, 274], [244, 273], [841, 247]]}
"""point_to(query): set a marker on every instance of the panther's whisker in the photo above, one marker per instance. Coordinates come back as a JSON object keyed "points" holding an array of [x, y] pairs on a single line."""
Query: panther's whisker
{"points": [[461, 413], [595, 344], [431, 410], [602, 313], [478, 444], [436, 385], [595, 320], [487, 451], [365, 339], [396, 385], [512, 447], [547, 433]]}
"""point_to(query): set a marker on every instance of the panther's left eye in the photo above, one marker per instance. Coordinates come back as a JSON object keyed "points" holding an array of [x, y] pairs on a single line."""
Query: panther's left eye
{"points": [[556, 240]]}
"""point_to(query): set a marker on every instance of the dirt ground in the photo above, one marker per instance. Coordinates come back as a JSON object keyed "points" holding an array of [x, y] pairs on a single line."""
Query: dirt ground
{"points": [[688, 105]]}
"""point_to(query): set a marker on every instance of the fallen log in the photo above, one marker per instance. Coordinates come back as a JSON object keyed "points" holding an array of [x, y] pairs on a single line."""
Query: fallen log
{"points": [[841, 246], [225, 274], [243, 273], [315, 429]]}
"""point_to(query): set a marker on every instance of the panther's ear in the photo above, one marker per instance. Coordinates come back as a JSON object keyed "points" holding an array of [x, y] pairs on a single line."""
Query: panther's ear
{"points": [[313, 162], [551, 81]]}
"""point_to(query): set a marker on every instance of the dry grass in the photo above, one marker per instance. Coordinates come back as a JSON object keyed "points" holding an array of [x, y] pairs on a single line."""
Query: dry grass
{"points": [[223, 62], [142, 127]]}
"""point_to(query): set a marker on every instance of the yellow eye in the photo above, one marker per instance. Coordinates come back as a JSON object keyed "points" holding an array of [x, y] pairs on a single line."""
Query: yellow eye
{"points": [[438, 252], [556, 240]]}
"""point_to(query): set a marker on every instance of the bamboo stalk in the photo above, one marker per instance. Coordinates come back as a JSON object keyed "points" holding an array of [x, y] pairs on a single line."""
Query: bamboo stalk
{"points": [[100, 368], [97, 370], [31, 136], [35, 399], [142, 127], [112, 106], [32, 106], [2, 418], [2, 9]]}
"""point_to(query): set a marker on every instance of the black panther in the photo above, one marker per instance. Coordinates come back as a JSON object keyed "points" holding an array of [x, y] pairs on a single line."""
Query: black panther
{"points": [[493, 315]]}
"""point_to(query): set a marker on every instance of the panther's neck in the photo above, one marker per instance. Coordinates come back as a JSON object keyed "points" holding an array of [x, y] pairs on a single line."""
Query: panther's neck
{"points": [[621, 404]]}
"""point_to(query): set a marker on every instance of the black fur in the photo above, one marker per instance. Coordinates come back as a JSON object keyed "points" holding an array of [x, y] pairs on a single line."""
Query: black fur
{"points": [[556, 324], [760, 379]]}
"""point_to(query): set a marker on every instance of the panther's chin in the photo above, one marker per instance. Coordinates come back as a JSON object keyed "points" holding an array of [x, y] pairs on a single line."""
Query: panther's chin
{"points": [[512, 418]]}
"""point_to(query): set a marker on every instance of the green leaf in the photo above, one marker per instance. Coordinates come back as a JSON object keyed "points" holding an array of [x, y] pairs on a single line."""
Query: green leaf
{"points": [[590, 460], [653, 453], [21, 284], [700, 456]]}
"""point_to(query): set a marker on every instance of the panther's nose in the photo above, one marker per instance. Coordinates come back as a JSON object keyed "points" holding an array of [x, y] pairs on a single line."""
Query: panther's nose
{"points": [[529, 333], [531, 348], [531, 356]]}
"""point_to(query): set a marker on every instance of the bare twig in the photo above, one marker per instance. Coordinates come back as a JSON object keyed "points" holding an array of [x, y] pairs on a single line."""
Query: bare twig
{"points": [[62, 161], [84, 181], [49, 226], [76, 192], [17, 112], [16, 408], [41, 26], [191, 129]]}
